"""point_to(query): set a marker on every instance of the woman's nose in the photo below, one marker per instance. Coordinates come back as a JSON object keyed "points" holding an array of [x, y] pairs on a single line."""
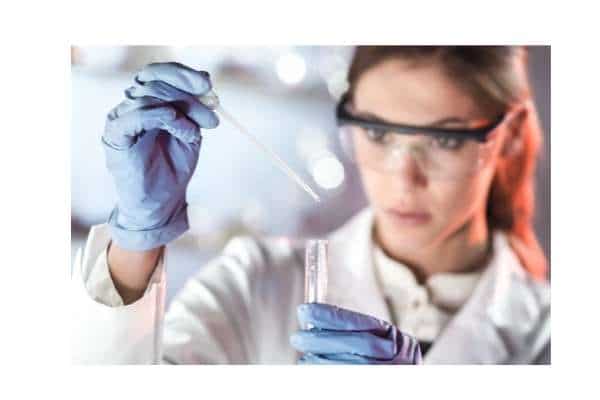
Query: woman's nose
{"points": [[403, 164]]}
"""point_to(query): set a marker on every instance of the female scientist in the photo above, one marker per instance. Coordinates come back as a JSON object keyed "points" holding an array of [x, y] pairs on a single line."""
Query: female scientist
{"points": [[442, 267]]}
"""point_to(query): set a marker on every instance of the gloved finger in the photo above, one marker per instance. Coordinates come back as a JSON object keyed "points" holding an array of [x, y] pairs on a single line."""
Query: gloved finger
{"points": [[316, 359], [123, 131], [185, 102], [325, 316], [176, 75], [408, 349], [345, 358], [133, 104], [341, 358], [332, 342], [336, 359]]}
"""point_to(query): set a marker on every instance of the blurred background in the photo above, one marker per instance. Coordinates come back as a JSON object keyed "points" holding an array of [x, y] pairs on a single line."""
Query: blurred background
{"points": [[286, 96]]}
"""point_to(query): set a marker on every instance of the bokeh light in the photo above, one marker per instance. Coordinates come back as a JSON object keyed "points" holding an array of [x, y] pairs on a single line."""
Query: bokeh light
{"points": [[328, 172], [291, 68]]}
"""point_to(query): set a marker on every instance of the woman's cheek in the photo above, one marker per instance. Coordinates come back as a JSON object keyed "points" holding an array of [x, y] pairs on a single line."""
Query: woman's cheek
{"points": [[457, 201]]}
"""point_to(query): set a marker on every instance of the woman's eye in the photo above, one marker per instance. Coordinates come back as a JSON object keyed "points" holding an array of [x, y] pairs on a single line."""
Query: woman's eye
{"points": [[448, 143], [376, 135]]}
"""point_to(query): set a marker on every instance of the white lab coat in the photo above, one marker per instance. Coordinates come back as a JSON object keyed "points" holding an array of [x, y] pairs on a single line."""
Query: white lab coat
{"points": [[241, 307]]}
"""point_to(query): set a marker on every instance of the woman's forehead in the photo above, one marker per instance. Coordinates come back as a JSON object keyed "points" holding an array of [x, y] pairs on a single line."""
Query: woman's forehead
{"points": [[419, 94]]}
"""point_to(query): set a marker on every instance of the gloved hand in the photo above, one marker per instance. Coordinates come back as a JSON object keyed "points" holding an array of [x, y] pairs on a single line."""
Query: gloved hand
{"points": [[151, 143], [342, 336]]}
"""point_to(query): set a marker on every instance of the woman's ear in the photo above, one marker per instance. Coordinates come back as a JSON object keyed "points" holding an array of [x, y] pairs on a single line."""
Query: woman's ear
{"points": [[513, 141]]}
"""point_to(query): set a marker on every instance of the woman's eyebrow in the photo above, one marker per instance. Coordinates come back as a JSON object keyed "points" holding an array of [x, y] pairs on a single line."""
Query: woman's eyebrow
{"points": [[440, 122], [448, 120]]}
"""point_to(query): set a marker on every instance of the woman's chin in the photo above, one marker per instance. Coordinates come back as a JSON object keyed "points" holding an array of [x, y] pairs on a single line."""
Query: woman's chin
{"points": [[405, 235]]}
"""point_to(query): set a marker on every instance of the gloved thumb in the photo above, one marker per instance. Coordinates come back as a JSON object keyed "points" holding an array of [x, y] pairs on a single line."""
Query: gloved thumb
{"points": [[326, 316]]}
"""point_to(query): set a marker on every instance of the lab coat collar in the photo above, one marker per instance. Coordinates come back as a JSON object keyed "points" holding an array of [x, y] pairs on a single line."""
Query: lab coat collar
{"points": [[352, 282], [496, 325]]}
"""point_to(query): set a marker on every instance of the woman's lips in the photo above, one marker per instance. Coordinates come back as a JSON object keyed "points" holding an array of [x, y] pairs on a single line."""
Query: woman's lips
{"points": [[410, 218]]}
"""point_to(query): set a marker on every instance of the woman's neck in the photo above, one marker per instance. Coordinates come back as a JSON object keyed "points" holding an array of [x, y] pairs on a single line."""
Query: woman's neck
{"points": [[466, 249]]}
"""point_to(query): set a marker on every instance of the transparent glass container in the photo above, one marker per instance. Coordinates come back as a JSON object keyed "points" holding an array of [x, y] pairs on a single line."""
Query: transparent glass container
{"points": [[315, 271]]}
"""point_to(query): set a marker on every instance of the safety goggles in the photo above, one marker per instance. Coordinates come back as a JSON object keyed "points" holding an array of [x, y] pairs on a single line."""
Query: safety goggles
{"points": [[439, 152]]}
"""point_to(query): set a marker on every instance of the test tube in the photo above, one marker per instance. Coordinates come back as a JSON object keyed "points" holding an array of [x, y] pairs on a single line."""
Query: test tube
{"points": [[315, 272]]}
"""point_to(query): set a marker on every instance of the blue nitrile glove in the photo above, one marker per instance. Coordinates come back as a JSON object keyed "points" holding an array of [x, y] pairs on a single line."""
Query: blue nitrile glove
{"points": [[151, 142], [341, 336]]}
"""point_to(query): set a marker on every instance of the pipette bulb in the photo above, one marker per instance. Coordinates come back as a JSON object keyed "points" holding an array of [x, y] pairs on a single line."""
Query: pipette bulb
{"points": [[210, 99]]}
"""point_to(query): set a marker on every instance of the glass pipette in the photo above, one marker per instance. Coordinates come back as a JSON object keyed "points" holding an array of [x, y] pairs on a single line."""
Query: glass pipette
{"points": [[211, 100]]}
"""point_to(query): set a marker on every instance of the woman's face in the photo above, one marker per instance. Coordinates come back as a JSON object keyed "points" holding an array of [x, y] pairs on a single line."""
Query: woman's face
{"points": [[412, 209]]}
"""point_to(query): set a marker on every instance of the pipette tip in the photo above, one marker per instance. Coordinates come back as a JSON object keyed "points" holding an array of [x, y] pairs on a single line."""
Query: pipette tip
{"points": [[314, 196]]}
